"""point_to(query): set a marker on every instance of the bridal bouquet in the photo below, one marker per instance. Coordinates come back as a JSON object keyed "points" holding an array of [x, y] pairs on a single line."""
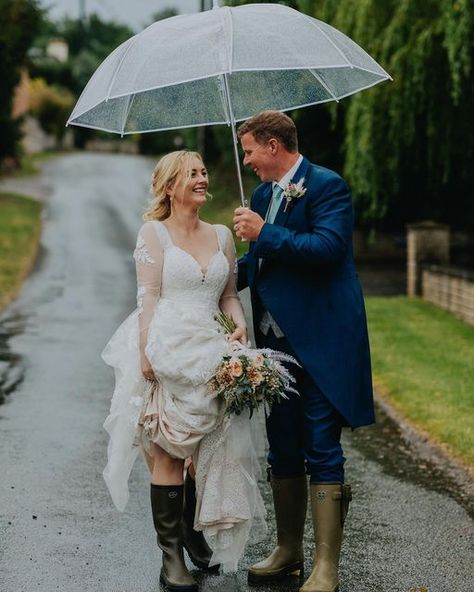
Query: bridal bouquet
{"points": [[248, 378]]}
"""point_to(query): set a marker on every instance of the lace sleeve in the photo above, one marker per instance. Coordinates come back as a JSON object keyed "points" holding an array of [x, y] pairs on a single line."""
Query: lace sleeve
{"points": [[148, 257], [230, 301]]}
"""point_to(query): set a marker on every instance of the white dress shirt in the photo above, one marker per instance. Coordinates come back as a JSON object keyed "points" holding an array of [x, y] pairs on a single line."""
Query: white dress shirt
{"points": [[287, 177]]}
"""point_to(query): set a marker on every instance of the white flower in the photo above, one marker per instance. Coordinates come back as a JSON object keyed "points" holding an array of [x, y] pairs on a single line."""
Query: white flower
{"points": [[294, 191]]}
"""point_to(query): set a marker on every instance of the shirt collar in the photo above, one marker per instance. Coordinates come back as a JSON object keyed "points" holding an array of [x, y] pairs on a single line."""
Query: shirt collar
{"points": [[283, 182]]}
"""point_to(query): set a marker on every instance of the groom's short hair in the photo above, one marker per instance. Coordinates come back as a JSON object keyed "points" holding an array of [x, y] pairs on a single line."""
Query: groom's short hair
{"points": [[271, 124]]}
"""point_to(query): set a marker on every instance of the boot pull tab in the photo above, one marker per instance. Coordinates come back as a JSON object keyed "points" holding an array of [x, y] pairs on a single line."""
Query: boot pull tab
{"points": [[346, 498]]}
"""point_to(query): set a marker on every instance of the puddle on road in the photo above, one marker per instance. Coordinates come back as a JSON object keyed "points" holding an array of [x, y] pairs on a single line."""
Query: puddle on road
{"points": [[12, 368], [385, 443]]}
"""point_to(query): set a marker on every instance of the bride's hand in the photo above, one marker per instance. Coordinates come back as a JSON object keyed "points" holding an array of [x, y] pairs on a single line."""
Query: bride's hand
{"points": [[147, 370], [240, 334]]}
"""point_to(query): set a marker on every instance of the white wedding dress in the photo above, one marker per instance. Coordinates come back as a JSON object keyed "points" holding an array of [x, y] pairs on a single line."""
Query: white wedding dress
{"points": [[174, 324]]}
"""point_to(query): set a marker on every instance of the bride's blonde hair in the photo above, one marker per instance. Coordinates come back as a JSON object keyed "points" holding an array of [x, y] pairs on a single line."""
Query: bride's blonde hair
{"points": [[173, 167]]}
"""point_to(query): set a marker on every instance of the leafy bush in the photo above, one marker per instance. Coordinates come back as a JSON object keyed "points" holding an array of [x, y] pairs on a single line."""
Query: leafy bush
{"points": [[51, 106]]}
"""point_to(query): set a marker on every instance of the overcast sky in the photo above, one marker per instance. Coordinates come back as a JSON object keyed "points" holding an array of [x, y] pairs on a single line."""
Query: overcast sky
{"points": [[135, 13]]}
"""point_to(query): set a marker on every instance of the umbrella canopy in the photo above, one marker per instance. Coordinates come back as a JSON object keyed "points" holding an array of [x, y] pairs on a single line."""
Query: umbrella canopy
{"points": [[222, 66], [171, 74]]}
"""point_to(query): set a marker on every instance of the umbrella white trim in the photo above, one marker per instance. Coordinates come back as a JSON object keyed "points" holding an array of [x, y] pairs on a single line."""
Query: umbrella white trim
{"points": [[176, 127], [225, 122], [158, 129], [72, 121], [217, 74], [363, 88]]}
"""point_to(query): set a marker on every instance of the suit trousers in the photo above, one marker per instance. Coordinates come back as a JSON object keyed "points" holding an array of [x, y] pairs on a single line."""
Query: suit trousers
{"points": [[304, 431]]}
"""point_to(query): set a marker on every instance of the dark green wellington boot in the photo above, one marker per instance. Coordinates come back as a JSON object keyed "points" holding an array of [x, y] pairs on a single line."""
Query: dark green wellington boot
{"points": [[329, 505], [194, 541], [290, 499], [167, 509]]}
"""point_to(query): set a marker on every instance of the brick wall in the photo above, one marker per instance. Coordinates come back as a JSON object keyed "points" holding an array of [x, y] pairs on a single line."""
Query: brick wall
{"points": [[450, 289]]}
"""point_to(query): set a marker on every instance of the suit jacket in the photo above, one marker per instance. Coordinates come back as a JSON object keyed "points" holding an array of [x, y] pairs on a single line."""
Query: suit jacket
{"points": [[308, 283]]}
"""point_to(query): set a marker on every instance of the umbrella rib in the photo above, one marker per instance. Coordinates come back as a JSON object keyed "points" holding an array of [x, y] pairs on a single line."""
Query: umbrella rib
{"points": [[130, 100], [231, 37], [327, 37], [323, 84], [221, 88], [133, 40]]}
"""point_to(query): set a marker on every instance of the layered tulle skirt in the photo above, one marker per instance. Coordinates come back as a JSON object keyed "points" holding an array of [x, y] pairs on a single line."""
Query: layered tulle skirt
{"points": [[185, 347]]}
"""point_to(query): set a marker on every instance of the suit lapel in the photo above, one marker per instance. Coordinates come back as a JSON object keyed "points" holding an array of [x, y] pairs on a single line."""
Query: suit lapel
{"points": [[282, 216]]}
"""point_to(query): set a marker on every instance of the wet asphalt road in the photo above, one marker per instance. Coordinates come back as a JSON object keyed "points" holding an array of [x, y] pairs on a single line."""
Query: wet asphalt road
{"points": [[58, 527]]}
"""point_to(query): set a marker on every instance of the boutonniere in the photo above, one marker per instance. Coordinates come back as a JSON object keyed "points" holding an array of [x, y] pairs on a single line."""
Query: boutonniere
{"points": [[293, 192]]}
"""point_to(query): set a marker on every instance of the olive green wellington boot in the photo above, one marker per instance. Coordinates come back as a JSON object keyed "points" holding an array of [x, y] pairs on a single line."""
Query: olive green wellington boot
{"points": [[329, 505], [290, 499], [194, 541], [167, 509]]}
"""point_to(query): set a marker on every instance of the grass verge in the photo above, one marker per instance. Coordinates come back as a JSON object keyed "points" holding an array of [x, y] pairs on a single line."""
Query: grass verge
{"points": [[423, 364], [20, 231]]}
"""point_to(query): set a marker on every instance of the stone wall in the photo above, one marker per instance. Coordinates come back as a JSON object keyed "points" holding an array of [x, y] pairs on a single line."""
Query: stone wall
{"points": [[427, 242], [451, 289]]}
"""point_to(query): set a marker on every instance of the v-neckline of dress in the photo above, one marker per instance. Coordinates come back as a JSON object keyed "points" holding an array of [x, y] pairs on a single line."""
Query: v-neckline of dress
{"points": [[201, 269]]}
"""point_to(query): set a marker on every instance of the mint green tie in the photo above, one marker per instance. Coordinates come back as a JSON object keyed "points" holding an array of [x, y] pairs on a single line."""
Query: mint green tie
{"points": [[277, 197]]}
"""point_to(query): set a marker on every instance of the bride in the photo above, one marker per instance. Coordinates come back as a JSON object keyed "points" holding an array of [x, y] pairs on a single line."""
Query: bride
{"points": [[163, 355]]}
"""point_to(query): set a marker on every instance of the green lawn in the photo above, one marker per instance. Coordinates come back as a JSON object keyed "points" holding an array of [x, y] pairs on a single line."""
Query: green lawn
{"points": [[423, 363], [20, 230]]}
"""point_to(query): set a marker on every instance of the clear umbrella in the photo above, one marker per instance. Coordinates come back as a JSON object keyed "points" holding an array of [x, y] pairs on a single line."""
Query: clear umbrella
{"points": [[220, 67]]}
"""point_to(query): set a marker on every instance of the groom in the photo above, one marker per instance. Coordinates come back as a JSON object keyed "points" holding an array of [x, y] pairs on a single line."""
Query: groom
{"points": [[306, 301]]}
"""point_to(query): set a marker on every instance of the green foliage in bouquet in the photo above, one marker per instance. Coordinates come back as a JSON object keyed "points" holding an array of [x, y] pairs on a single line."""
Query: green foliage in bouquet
{"points": [[226, 322]]}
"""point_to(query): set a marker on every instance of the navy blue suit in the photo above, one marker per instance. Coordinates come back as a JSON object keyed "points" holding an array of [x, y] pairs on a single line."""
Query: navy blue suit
{"points": [[308, 283]]}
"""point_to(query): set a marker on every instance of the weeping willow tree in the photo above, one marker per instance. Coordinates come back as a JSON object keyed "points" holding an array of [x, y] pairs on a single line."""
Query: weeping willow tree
{"points": [[408, 148]]}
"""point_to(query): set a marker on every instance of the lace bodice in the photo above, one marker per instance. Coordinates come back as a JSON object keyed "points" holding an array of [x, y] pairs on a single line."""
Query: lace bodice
{"points": [[165, 271]]}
